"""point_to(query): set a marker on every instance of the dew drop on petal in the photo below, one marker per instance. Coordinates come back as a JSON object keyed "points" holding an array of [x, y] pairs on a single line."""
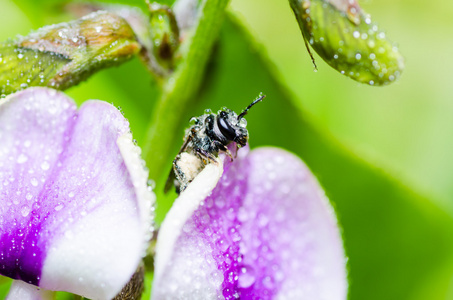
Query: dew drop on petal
{"points": [[25, 210], [22, 158], [246, 277], [45, 165]]}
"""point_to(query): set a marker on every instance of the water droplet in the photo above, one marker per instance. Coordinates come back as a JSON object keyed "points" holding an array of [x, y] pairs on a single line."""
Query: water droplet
{"points": [[34, 182], [25, 210], [381, 35], [71, 195], [58, 207], [28, 196], [356, 34], [268, 282], [358, 56], [45, 165], [22, 158], [151, 183], [246, 277]]}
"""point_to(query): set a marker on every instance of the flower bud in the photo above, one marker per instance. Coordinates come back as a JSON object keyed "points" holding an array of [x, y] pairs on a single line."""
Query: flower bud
{"points": [[164, 35], [62, 55], [346, 38]]}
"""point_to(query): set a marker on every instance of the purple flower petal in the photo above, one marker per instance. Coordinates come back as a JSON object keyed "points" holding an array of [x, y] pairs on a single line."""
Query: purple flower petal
{"points": [[74, 201], [265, 232]]}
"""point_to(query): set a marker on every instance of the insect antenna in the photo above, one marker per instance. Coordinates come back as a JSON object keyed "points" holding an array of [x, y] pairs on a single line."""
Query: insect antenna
{"points": [[260, 98]]}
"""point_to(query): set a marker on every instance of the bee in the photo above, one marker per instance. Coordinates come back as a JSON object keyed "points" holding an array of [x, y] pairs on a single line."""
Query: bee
{"points": [[208, 135]]}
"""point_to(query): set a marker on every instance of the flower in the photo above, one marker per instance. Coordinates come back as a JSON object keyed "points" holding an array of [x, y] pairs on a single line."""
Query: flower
{"points": [[75, 206], [261, 230]]}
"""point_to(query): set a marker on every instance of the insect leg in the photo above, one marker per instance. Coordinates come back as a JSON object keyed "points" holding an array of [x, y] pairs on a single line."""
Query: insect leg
{"points": [[204, 156], [222, 147]]}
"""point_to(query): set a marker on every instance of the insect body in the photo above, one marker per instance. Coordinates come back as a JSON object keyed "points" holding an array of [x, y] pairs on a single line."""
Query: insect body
{"points": [[210, 134]]}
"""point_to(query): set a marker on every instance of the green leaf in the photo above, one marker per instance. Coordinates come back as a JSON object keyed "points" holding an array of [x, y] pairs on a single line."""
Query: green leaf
{"points": [[346, 38], [396, 239]]}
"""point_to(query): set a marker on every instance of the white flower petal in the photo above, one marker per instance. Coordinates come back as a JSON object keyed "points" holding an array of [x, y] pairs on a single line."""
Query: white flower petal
{"points": [[23, 291]]}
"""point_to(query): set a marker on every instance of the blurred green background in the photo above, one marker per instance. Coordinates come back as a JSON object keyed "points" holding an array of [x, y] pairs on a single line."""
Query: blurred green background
{"points": [[381, 153]]}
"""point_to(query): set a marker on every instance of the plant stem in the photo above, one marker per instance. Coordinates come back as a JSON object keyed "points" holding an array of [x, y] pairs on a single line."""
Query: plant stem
{"points": [[181, 87]]}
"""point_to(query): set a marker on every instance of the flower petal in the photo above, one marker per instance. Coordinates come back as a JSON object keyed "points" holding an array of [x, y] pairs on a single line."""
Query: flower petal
{"points": [[73, 215], [24, 291], [172, 227], [266, 231]]}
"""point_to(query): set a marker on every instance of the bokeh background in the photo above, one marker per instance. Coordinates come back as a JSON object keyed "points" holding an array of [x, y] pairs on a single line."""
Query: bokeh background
{"points": [[383, 154]]}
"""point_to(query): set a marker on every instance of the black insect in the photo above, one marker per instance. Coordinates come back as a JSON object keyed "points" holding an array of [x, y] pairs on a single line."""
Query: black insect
{"points": [[209, 134]]}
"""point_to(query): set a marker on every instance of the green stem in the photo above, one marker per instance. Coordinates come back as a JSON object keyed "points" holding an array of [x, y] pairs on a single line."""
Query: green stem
{"points": [[180, 88]]}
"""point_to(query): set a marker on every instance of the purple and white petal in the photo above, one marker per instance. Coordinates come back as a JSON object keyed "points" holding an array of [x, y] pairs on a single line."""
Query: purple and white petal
{"points": [[75, 208], [174, 223], [265, 232]]}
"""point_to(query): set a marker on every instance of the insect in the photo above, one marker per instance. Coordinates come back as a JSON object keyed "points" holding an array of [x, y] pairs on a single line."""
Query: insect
{"points": [[210, 134]]}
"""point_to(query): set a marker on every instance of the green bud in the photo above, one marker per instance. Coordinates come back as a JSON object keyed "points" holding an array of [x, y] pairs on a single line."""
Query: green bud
{"points": [[164, 35], [346, 38], [62, 55]]}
